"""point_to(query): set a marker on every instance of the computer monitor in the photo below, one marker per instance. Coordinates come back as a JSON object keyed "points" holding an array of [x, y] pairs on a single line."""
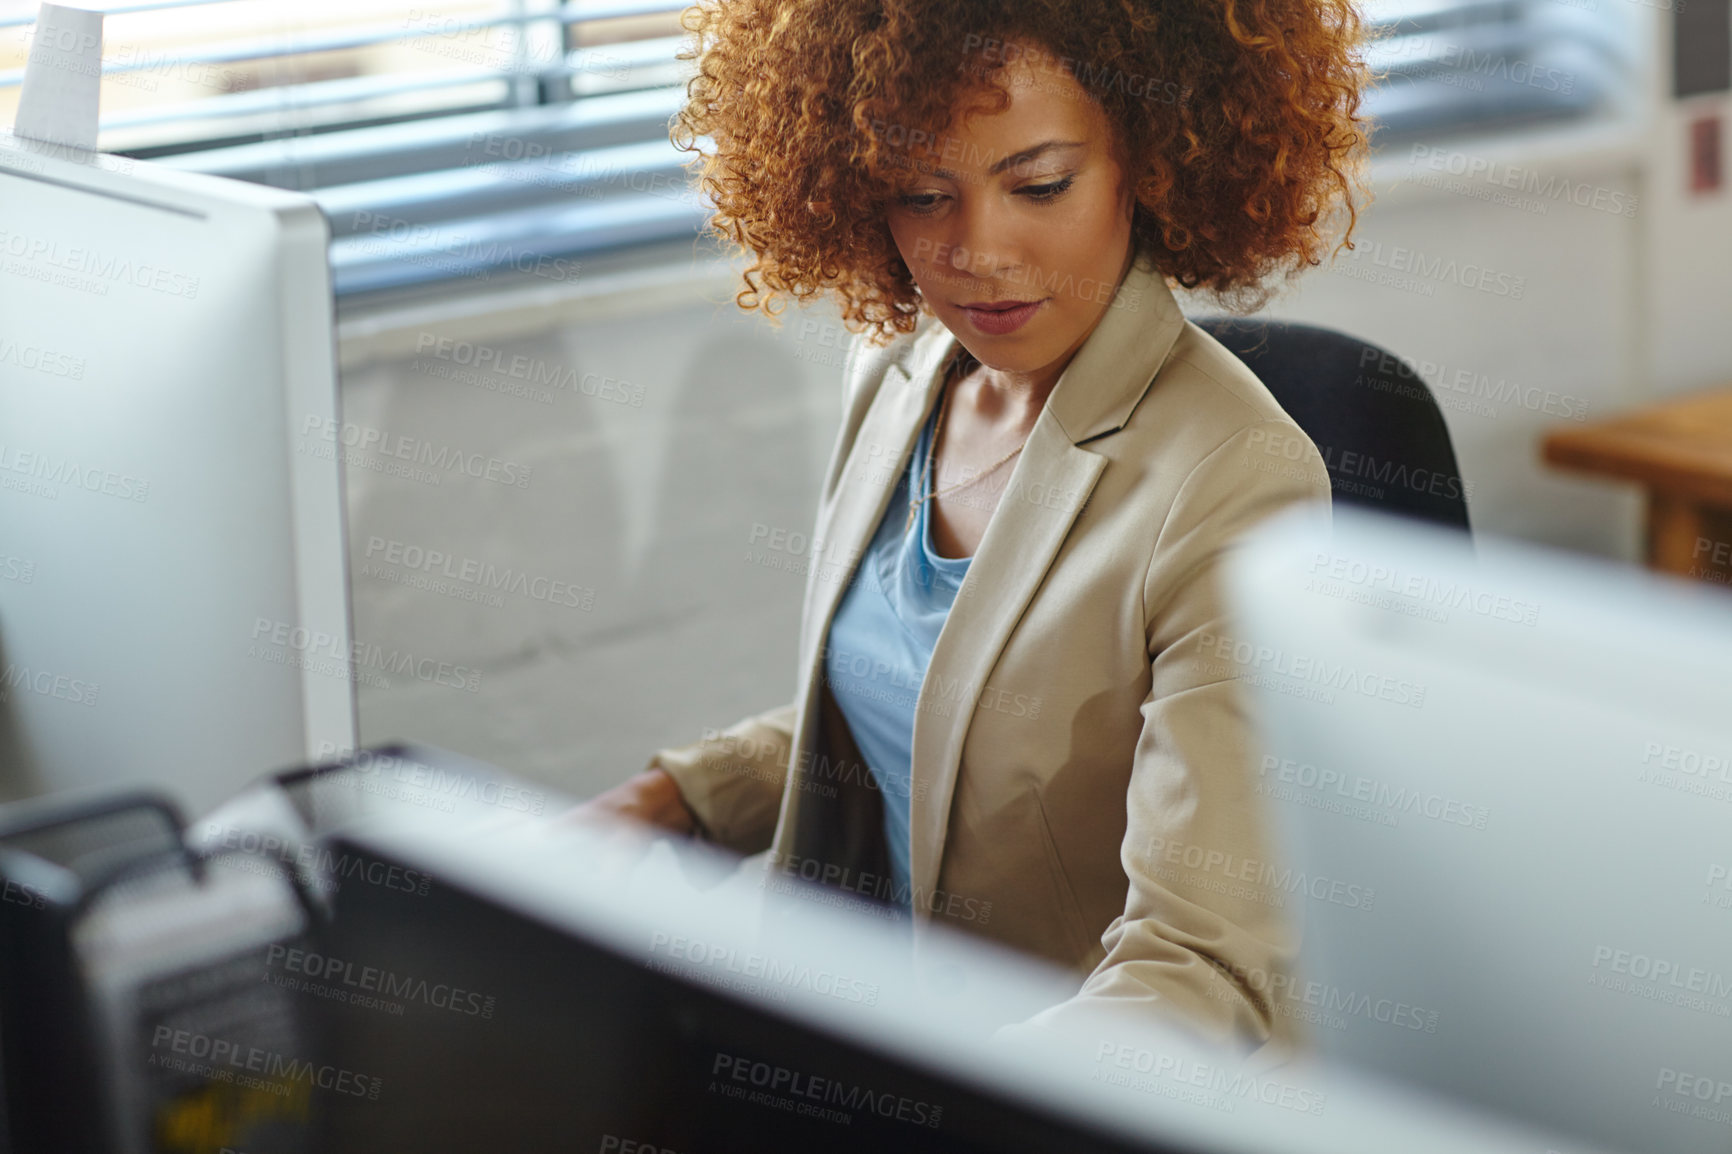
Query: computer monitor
{"points": [[1504, 786], [561, 988], [173, 580]]}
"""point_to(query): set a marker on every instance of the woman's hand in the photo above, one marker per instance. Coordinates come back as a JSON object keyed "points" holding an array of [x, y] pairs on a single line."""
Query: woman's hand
{"points": [[652, 798]]}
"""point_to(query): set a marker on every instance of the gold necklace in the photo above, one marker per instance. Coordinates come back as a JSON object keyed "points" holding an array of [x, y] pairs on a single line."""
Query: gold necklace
{"points": [[932, 451]]}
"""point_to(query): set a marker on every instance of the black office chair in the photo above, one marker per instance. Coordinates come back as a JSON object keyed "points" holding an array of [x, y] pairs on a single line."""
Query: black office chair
{"points": [[1372, 416]]}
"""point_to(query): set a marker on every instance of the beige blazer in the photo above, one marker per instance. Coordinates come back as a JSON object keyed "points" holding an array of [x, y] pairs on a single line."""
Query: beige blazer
{"points": [[1084, 776]]}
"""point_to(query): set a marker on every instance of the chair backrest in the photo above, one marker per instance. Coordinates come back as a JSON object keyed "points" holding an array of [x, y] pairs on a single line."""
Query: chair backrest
{"points": [[1381, 433]]}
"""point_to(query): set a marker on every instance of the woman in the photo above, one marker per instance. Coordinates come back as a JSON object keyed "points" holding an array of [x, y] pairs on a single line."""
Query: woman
{"points": [[1017, 708]]}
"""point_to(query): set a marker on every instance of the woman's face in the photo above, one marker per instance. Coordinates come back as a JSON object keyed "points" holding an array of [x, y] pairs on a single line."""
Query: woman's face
{"points": [[1017, 224]]}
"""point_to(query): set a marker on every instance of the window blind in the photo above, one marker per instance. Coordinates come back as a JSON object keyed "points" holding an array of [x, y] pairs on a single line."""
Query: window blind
{"points": [[463, 140], [1448, 67], [484, 137]]}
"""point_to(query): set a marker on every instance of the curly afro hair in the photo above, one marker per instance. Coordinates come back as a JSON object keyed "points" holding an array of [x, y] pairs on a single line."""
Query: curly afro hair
{"points": [[1236, 119]]}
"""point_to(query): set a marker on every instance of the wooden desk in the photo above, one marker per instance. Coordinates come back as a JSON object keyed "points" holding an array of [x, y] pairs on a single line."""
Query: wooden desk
{"points": [[1681, 451]]}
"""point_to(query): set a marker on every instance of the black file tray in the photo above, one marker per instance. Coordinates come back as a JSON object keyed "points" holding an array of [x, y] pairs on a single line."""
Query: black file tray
{"points": [[125, 957]]}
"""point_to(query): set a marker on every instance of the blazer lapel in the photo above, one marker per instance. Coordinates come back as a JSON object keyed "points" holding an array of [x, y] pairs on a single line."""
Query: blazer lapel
{"points": [[869, 476], [1048, 487], [1018, 547]]}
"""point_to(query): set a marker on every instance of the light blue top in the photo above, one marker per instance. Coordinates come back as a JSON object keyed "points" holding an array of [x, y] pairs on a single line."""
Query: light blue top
{"points": [[880, 643]]}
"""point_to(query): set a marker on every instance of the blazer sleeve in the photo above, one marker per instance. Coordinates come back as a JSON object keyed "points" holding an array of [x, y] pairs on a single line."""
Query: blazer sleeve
{"points": [[1204, 929], [733, 780]]}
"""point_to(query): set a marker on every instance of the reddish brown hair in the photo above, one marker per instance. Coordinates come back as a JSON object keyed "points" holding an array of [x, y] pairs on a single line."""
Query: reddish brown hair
{"points": [[1237, 120]]}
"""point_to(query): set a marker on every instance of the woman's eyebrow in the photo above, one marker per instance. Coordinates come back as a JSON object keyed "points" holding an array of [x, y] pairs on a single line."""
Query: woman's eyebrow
{"points": [[1026, 154], [1031, 153]]}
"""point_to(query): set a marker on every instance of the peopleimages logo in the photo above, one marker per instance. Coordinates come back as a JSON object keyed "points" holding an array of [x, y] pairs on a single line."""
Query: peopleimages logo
{"points": [[44, 683], [41, 359], [443, 783], [482, 575], [1279, 669], [1191, 864], [882, 887], [1667, 972], [320, 652], [437, 247], [1527, 181], [774, 1080], [1328, 1005], [816, 766], [1499, 66], [1047, 282], [101, 269], [1432, 591], [329, 867], [447, 458], [1388, 800], [1702, 1096], [1444, 270], [1719, 879], [375, 980], [1118, 1063], [19, 894], [1092, 76], [224, 1059], [763, 968], [1386, 371], [45, 473], [1685, 770], [1690, 762], [533, 371]]}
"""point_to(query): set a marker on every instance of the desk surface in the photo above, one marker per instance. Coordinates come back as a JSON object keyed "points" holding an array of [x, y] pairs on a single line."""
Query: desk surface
{"points": [[1682, 447]]}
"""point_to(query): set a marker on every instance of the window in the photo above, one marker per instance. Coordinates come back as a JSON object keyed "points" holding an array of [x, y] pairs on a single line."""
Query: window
{"points": [[442, 141], [482, 136], [1452, 66]]}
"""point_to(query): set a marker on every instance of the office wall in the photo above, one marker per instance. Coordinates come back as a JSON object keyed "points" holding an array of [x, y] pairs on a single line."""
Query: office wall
{"points": [[1687, 246], [629, 575]]}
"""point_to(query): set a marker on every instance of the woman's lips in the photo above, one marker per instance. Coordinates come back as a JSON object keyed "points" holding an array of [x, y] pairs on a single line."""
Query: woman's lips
{"points": [[997, 321]]}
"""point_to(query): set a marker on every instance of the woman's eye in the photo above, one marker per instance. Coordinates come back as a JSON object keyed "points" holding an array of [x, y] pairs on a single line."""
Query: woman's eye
{"points": [[1047, 191], [920, 201]]}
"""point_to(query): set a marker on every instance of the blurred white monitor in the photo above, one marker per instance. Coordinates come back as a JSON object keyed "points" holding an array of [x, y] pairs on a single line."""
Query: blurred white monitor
{"points": [[1505, 790], [652, 997], [173, 585]]}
